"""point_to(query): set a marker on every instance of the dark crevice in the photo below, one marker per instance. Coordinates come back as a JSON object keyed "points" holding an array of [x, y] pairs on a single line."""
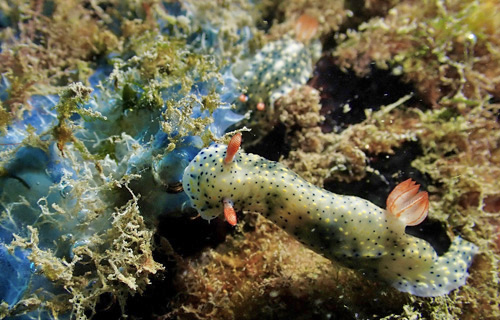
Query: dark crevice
{"points": [[345, 96], [273, 145]]}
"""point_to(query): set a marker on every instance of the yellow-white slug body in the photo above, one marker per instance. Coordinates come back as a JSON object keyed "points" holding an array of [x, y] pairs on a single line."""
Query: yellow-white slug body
{"points": [[347, 229]]}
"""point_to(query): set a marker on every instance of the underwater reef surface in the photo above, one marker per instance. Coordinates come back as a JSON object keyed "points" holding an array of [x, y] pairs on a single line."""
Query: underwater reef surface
{"points": [[103, 104]]}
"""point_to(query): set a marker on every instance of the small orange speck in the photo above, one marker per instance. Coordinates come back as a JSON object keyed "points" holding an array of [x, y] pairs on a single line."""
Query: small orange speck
{"points": [[261, 106]]}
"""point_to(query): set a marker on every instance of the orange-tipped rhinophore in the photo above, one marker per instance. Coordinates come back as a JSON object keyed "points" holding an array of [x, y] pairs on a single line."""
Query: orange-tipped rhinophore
{"points": [[306, 28], [229, 212], [243, 97], [233, 147], [407, 203]]}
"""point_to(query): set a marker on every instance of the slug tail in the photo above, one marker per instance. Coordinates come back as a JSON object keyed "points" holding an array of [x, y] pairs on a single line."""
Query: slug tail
{"points": [[436, 277]]}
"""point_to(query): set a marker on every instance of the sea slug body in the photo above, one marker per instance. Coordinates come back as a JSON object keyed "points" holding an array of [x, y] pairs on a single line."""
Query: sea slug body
{"points": [[282, 65], [278, 68], [347, 229]]}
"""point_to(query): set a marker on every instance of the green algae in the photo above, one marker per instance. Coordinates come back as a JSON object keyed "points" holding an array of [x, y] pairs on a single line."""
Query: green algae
{"points": [[228, 17], [331, 15], [439, 46], [116, 260], [71, 102], [459, 157], [166, 62], [261, 272], [319, 156], [54, 47], [263, 269], [72, 98], [5, 120]]}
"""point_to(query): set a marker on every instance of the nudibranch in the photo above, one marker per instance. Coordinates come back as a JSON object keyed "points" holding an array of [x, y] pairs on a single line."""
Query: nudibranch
{"points": [[347, 229], [281, 66]]}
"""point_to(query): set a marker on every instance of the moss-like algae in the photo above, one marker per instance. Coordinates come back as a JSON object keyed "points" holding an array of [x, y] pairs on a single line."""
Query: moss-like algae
{"points": [[117, 260], [5, 119], [284, 14], [49, 44], [266, 274], [319, 156], [447, 49]]}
